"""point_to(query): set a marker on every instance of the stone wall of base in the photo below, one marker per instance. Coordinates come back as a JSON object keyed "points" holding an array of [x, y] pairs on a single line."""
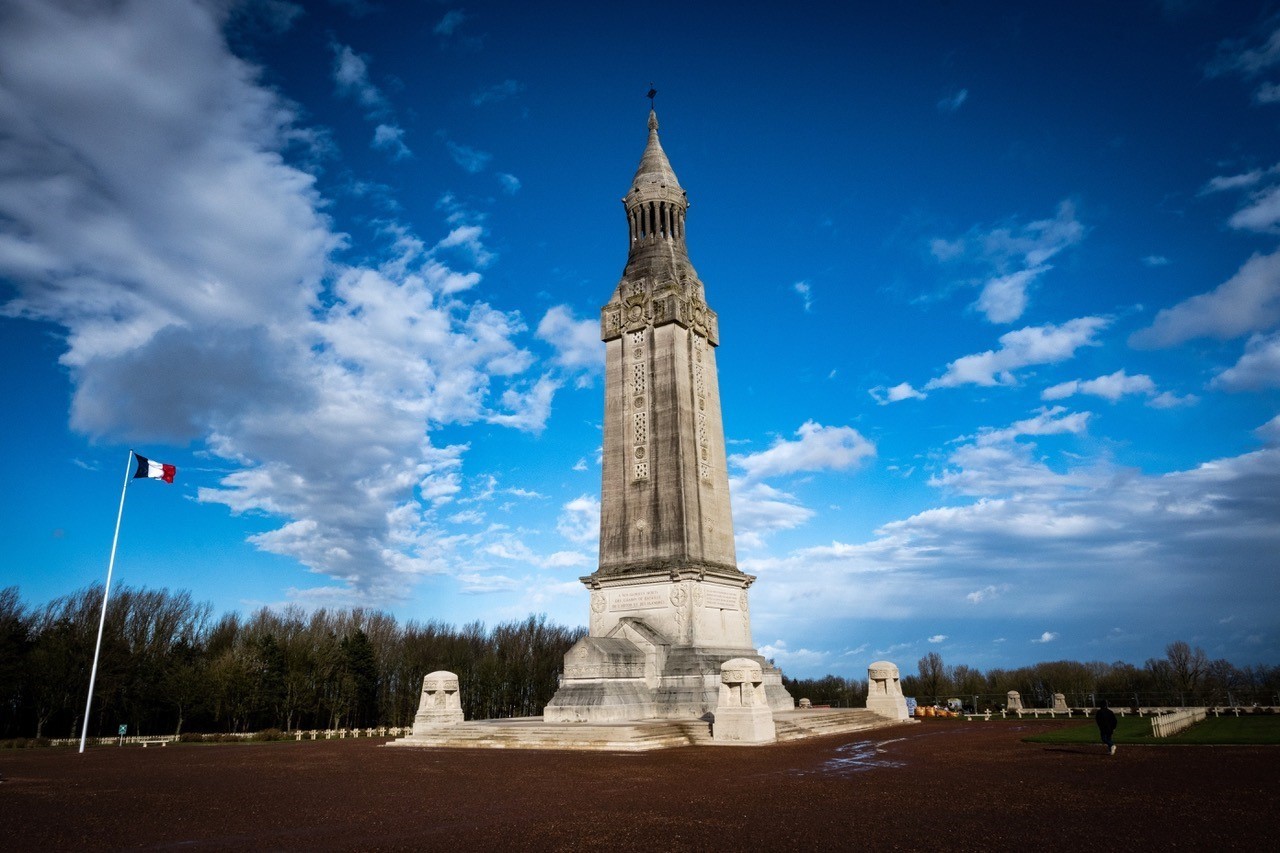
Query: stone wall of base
{"points": [[687, 688]]}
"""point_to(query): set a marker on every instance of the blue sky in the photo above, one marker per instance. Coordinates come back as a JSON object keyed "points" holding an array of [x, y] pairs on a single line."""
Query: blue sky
{"points": [[999, 298]]}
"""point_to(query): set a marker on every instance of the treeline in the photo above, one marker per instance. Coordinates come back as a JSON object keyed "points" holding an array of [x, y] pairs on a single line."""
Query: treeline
{"points": [[1184, 676], [168, 666]]}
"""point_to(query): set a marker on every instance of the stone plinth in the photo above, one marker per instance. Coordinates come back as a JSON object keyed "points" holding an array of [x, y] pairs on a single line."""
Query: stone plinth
{"points": [[1013, 701], [884, 691], [441, 704], [1060, 704], [742, 713]]}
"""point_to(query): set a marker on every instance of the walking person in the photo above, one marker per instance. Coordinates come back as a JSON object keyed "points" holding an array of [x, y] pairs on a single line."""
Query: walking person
{"points": [[1106, 720]]}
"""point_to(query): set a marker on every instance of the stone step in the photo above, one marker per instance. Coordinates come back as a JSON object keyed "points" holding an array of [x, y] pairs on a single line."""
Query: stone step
{"points": [[636, 736], [793, 725]]}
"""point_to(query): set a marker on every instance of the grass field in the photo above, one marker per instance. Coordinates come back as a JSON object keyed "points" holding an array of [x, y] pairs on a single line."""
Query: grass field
{"points": [[1135, 730]]}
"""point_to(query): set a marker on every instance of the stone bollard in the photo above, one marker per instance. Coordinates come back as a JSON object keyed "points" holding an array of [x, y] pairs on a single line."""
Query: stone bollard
{"points": [[884, 691], [1013, 701], [441, 704], [805, 704], [742, 713], [1060, 704]]}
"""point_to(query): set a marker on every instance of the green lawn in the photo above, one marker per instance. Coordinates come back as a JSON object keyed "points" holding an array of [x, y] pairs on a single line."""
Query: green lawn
{"points": [[1214, 730]]}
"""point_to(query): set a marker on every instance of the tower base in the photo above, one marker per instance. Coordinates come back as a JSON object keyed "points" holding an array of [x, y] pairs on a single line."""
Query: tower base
{"points": [[638, 674]]}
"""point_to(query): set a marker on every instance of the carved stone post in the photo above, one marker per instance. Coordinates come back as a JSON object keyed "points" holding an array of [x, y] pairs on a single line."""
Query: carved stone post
{"points": [[1013, 702], [441, 704], [884, 691], [742, 714]]}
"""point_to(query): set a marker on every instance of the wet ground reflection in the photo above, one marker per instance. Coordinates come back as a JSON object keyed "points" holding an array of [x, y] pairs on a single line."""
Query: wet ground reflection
{"points": [[857, 757]]}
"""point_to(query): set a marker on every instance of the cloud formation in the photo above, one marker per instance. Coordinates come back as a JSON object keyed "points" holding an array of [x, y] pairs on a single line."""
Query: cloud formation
{"points": [[1011, 259], [1045, 534], [1247, 302], [193, 255], [1047, 344], [817, 448]]}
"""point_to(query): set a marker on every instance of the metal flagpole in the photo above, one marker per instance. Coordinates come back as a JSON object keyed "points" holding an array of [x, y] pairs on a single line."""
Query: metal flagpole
{"points": [[93, 673]]}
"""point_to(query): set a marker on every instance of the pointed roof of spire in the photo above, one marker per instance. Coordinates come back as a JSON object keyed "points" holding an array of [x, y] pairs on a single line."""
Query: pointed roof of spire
{"points": [[654, 168]]}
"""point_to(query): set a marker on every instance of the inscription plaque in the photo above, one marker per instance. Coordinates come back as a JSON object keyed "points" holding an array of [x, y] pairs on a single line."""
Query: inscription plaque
{"points": [[638, 599], [722, 599]]}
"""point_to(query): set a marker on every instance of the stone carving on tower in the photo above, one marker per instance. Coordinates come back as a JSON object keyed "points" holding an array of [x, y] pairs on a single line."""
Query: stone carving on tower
{"points": [[668, 602]]}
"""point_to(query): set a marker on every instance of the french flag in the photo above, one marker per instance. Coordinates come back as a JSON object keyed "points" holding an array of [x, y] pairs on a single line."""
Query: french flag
{"points": [[154, 470]]}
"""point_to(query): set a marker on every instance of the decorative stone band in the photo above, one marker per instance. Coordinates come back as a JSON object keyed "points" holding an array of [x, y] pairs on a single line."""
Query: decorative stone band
{"points": [[638, 312], [437, 685], [741, 671]]}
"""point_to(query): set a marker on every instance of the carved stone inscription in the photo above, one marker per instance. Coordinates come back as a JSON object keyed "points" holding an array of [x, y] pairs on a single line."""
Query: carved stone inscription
{"points": [[722, 599], [638, 599], [604, 670]]}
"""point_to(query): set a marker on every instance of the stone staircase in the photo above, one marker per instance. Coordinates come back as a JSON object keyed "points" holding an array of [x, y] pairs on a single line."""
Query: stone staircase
{"points": [[635, 736], [817, 722]]}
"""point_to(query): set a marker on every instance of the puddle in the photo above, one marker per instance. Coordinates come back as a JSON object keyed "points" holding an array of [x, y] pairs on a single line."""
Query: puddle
{"points": [[858, 757]]}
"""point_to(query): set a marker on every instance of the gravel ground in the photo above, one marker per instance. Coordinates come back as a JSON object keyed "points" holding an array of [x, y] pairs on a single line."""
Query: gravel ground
{"points": [[940, 785]]}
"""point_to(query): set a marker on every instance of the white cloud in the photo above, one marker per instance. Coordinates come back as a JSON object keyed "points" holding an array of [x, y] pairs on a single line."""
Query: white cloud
{"points": [[1247, 61], [1222, 183], [946, 250], [1047, 344], [1110, 387], [938, 638], [1170, 400], [987, 593], [510, 183], [1046, 637], [470, 159], [351, 76], [785, 657], [760, 510], [1247, 302], [1054, 421], [1004, 298], [155, 219], [1011, 259], [580, 520], [818, 448], [806, 293], [448, 24], [564, 559], [1155, 261], [526, 407], [1258, 367], [578, 348], [497, 92], [902, 391], [1261, 214], [468, 239], [1270, 431], [1267, 93], [953, 102], [390, 138]]}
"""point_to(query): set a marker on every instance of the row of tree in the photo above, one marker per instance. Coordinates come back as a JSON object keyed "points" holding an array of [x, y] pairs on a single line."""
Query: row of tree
{"points": [[168, 665], [1184, 676]]}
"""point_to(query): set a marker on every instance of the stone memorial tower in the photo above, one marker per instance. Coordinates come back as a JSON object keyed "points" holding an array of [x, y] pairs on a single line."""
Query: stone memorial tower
{"points": [[668, 602]]}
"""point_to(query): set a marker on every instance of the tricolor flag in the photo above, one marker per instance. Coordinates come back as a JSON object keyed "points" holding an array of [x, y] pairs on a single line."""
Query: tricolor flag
{"points": [[154, 470]]}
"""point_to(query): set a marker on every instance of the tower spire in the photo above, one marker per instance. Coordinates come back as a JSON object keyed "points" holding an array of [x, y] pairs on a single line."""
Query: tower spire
{"points": [[656, 206]]}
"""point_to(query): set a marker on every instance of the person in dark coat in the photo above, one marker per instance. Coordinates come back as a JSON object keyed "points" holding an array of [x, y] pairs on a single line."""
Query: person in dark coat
{"points": [[1106, 720]]}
